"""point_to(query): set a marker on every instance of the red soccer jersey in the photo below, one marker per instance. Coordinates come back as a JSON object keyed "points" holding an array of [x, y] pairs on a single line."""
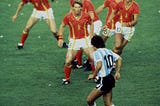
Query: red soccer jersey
{"points": [[78, 27], [112, 5], [126, 14], [88, 7], [41, 5]]}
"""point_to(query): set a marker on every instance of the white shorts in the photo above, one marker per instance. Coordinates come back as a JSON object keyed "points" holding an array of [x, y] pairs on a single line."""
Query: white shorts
{"points": [[97, 27], [48, 14], [127, 32], [108, 32], [77, 44]]}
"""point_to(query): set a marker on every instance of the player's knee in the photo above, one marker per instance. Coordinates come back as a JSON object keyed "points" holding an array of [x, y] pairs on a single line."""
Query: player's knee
{"points": [[67, 65], [26, 30], [117, 47]]}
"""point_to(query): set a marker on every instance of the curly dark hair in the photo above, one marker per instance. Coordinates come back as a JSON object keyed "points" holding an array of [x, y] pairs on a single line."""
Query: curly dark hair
{"points": [[97, 42]]}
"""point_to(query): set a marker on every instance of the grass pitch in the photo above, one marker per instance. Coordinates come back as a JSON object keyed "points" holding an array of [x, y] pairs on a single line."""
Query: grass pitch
{"points": [[32, 76]]}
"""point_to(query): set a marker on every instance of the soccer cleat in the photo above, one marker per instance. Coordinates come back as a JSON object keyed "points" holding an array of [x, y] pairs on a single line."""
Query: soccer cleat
{"points": [[65, 82], [20, 46], [65, 45], [74, 63], [87, 66]]}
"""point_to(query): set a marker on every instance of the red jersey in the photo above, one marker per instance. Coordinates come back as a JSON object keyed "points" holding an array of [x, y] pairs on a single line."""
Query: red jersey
{"points": [[78, 27], [41, 5], [112, 5], [126, 14], [87, 7]]}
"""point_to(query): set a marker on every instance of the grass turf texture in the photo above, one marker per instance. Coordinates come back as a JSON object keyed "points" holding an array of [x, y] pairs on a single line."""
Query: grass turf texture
{"points": [[32, 76]]}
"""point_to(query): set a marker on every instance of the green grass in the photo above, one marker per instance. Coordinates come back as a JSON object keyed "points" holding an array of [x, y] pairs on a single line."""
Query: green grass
{"points": [[26, 74]]}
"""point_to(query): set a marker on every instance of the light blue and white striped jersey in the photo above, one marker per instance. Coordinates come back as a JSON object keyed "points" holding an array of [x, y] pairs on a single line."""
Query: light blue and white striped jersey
{"points": [[107, 57]]}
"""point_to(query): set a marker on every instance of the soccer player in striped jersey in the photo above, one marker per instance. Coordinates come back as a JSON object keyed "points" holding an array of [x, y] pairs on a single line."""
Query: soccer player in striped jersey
{"points": [[88, 8], [42, 10], [80, 38], [125, 27], [108, 29], [103, 61]]}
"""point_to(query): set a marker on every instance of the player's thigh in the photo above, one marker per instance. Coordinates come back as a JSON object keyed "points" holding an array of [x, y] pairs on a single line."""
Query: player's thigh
{"points": [[70, 55], [51, 23], [31, 21], [89, 51], [118, 39]]}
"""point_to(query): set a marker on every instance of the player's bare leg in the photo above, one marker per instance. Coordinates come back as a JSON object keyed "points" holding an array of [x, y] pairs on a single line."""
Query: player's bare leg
{"points": [[118, 43], [30, 23], [105, 38], [95, 93], [52, 25], [107, 98], [124, 43], [67, 66], [89, 52]]}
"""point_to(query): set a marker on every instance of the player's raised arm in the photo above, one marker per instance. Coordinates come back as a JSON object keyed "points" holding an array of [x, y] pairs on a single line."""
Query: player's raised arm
{"points": [[21, 4], [118, 68], [100, 9]]}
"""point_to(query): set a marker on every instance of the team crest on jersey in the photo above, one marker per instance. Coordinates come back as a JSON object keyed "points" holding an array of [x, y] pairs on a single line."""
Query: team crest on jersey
{"points": [[126, 15]]}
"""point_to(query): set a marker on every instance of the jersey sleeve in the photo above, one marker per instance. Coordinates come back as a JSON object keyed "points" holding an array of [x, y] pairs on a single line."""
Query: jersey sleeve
{"points": [[136, 9], [65, 20], [89, 6]]}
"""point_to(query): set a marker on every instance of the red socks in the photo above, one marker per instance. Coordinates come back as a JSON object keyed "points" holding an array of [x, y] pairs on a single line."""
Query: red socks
{"points": [[67, 72], [24, 37], [79, 57]]}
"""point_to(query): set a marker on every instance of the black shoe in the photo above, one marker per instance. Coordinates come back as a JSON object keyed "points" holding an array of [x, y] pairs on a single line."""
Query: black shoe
{"points": [[65, 82], [65, 45], [87, 66], [19, 46], [74, 64]]}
